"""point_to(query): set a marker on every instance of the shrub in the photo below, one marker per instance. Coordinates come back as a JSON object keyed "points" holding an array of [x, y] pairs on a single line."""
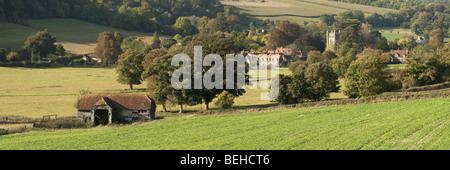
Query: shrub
{"points": [[225, 100], [64, 123]]}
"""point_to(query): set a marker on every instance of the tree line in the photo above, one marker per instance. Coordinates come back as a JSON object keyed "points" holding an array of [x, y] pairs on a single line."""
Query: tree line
{"points": [[394, 4], [136, 15], [420, 19]]}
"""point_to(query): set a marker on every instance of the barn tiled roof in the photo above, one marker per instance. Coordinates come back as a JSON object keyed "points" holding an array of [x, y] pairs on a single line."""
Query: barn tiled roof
{"points": [[124, 101]]}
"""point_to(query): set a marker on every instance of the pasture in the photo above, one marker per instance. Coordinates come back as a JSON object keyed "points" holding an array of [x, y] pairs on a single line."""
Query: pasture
{"points": [[35, 92], [298, 10], [78, 37], [394, 34], [413, 124]]}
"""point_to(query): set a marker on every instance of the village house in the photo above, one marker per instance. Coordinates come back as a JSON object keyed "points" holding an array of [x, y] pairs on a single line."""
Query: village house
{"points": [[271, 57], [398, 56], [420, 40], [99, 108]]}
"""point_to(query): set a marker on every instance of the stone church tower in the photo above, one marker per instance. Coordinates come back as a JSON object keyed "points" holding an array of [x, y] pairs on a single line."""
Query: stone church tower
{"points": [[332, 38]]}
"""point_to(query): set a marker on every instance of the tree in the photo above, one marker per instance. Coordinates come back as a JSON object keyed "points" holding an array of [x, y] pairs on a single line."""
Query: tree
{"points": [[108, 47], [365, 77], [184, 26], [351, 36], [158, 75], [225, 100], [321, 80], [341, 64], [406, 42], [327, 19], [291, 92], [234, 23], [156, 42], [216, 43], [136, 44], [427, 67], [60, 51], [437, 37], [80, 95], [41, 44], [3, 54], [129, 68], [158, 72], [283, 34]]}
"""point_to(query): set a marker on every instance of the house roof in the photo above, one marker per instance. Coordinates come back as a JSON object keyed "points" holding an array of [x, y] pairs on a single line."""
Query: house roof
{"points": [[124, 101], [399, 52]]}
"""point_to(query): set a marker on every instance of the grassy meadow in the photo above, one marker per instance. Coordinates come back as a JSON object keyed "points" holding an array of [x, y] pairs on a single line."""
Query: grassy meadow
{"points": [[78, 37], [35, 92], [299, 10], [413, 124], [394, 34]]}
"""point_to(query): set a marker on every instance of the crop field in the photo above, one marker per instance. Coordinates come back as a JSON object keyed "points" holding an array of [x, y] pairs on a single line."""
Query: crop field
{"points": [[78, 37], [298, 10], [413, 124]]}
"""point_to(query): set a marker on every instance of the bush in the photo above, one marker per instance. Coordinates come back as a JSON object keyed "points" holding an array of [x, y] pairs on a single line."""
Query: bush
{"points": [[225, 100], [64, 123]]}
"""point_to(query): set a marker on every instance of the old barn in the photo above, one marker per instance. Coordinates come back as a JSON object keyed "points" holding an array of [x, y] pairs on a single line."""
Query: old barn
{"points": [[104, 108]]}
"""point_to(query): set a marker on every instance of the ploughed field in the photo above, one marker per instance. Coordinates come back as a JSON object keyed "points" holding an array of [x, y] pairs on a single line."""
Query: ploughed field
{"points": [[412, 124]]}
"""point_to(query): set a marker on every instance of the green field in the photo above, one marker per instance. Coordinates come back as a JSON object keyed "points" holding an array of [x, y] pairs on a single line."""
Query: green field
{"points": [[299, 10], [77, 36], [414, 124], [35, 92], [394, 34]]}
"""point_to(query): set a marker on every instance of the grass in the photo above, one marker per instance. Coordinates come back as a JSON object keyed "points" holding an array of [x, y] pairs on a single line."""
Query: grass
{"points": [[77, 36], [299, 10], [399, 66], [414, 124], [35, 92], [393, 34]]}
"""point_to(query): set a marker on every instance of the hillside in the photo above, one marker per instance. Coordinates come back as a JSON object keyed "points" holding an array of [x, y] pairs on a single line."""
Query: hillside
{"points": [[415, 124], [299, 10], [77, 36]]}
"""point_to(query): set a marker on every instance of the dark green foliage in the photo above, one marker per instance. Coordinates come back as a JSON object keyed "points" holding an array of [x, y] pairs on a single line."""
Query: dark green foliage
{"points": [[327, 19], [352, 14], [365, 77], [136, 44], [427, 66], [60, 51], [225, 100], [142, 15], [41, 44], [394, 4], [222, 45], [341, 63], [129, 68], [63, 123], [157, 73], [184, 27], [3, 54], [321, 80], [313, 81], [286, 93]]}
